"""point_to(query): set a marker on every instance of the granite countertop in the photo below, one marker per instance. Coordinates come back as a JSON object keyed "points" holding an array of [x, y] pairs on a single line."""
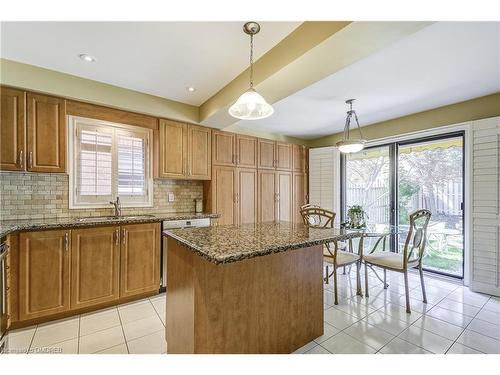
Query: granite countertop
{"points": [[232, 243], [11, 226]]}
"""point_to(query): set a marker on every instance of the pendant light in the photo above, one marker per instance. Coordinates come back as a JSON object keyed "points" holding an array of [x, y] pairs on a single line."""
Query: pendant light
{"points": [[350, 145], [251, 105]]}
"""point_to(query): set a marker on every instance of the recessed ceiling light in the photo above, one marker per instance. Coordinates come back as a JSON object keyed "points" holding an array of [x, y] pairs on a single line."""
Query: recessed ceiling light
{"points": [[86, 57], [191, 89]]}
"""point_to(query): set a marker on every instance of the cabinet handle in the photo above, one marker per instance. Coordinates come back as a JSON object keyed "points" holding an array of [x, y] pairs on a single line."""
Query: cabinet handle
{"points": [[66, 241], [21, 158], [124, 237], [117, 237], [237, 198], [30, 159]]}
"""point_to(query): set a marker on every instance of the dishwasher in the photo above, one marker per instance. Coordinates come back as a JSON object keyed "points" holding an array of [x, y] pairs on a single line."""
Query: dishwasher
{"points": [[175, 224]]}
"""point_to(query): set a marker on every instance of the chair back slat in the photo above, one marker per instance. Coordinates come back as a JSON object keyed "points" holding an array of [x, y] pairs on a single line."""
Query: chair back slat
{"points": [[417, 236], [316, 217]]}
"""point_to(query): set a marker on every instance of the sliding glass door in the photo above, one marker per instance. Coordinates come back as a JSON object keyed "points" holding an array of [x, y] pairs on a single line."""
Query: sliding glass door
{"points": [[394, 180]]}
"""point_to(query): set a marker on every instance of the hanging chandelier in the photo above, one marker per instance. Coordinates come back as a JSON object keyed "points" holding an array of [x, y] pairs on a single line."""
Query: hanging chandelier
{"points": [[350, 145], [251, 105]]}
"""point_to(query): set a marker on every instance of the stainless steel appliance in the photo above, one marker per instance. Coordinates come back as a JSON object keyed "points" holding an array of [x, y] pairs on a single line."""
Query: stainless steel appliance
{"points": [[3, 297], [176, 224]]}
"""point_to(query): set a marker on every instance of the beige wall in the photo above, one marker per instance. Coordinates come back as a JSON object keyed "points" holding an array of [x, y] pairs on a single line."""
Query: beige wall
{"points": [[474, 109], [33, 78]]}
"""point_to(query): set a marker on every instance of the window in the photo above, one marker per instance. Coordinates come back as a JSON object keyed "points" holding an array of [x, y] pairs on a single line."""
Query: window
{"points": [[393, 180], [108, 160]]}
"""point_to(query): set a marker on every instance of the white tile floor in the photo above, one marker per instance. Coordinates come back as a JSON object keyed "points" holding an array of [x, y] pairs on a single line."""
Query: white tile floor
{"points": [[454, 321]]}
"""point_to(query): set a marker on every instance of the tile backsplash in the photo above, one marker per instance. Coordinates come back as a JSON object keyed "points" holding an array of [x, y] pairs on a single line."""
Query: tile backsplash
{"points": [[39, 195]]}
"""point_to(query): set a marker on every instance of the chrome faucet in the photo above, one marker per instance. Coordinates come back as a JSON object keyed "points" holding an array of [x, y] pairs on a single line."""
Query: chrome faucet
{"points": [[118, 206]]}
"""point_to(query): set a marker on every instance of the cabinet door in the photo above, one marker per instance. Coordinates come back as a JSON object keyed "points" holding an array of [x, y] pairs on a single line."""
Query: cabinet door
{"points": [[12, 130], [266, 154], [284, 185], [200, 153], [224, 194], [223, 148], [267, 196], [139, 259], [284, 156], [246, 198], [299, 195], [246, 151], [299, 158], [46, 134], [173, 149], [95, 266], [44, 270]]}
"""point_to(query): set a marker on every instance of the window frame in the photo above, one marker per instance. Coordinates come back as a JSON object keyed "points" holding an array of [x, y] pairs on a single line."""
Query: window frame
{"points": [[75, 200]]}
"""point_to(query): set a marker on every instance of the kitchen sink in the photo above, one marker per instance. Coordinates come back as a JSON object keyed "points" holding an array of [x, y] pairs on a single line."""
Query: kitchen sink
{"points": [[107, 218]]}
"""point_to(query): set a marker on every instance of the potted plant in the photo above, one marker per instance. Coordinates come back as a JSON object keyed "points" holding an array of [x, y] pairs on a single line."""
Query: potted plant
{"points": [[356, 217]]}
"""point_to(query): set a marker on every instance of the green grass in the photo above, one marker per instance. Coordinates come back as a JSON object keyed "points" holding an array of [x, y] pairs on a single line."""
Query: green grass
{"points": [[449, 261]]}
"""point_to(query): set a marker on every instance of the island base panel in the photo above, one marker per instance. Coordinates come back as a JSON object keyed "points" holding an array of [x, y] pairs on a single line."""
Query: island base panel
{"points": [[266, 304]]}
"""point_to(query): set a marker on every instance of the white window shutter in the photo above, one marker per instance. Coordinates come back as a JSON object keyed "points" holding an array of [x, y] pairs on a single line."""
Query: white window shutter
{"points": [[324, 179], [485, 236]]}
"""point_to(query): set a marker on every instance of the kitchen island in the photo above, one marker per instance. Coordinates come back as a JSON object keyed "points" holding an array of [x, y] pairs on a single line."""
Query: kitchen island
{"points": [[255, 288]]}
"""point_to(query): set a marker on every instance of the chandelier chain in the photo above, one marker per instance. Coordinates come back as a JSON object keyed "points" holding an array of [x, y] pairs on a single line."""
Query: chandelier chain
{"points": [[251, 60]]}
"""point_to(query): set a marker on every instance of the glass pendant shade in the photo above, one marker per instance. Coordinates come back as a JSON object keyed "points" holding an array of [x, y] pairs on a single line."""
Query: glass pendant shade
{"points": [[251, 106], [351, 146]]}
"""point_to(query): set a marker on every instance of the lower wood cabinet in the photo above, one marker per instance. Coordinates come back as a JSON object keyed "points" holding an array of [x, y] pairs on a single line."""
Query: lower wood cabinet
{"points": [[95, 266], [64, 270], [275, 196], [300, 195], [44, 270], [140, 259]]}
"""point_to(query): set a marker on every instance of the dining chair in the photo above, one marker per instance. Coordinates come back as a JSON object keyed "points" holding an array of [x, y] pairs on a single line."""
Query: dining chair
{"points": [[411, 257], [319, 218]]}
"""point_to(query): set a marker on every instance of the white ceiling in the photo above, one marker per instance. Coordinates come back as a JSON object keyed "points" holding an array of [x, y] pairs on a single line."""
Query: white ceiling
{"points": [[158, 58], [444, 63]]}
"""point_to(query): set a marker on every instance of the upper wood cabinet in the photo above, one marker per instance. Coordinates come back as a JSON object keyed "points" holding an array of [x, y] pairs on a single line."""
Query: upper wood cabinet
{"points": [[266, 154], [44, 273], [140, 259], [246, 151], [95, 269], [223, 148], [12, 130], [184, 151], [173, 149], [299, 158], [199, 152], [46, 133], [284, 156]]}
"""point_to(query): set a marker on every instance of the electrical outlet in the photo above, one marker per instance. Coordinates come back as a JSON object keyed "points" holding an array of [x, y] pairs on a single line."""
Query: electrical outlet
{"points": [[171, 197]]}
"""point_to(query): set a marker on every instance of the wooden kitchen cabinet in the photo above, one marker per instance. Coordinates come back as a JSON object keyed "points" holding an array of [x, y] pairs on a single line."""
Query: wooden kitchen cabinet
{"points": [[44, 273], [173, 149], [266, 183], [284, 186], [222, 194], [12, 130], [284, 156], [139, 259], [223, 148], [246, 196], [266, 154], [199, 152], [246, 151], [184, 151], [95, 268], [299, 195], [299, 158], [46, 132]]}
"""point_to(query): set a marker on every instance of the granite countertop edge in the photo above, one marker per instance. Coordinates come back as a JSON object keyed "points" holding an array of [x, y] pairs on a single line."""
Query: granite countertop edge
{"points": [[271, 249], [12, 226]]}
